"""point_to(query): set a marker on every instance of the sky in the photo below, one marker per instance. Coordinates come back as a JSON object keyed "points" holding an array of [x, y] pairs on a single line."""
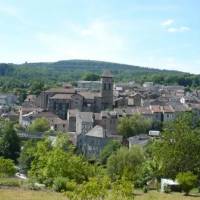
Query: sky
{"points": [[162, 34]]}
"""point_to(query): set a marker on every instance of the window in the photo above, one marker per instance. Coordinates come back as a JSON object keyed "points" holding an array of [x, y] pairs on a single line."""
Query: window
{"points": [[104, 86], [109, 86]]}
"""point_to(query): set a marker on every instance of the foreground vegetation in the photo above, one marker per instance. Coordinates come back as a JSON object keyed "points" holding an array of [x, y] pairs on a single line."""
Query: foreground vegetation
{"points": [[20, 194], [117, 173]]}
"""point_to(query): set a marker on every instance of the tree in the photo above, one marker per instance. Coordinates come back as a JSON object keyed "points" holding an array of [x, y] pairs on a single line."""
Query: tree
{"points": [[187, 181], [90, 77], [9, 142], [109, 149], [27, 155], [178, 151], [130, 126], [57, 162], [7, 167], [39, 125], [36, 87], [125, 163]]}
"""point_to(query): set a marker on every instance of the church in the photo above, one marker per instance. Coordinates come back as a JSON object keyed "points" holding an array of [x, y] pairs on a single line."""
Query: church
{"points": [[60, 100]]}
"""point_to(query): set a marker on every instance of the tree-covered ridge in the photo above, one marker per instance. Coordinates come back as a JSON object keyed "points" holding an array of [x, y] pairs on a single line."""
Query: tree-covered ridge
{"points": [[32, 78], [72, 70]]}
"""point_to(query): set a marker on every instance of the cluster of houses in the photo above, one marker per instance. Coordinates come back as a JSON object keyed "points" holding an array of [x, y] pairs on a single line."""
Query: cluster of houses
{"points": [[90, 113]]}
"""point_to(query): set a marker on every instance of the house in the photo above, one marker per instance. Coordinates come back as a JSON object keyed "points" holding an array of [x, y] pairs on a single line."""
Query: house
{"points": [[84, 122], [92, 143], [135, 100], [57, 124]]}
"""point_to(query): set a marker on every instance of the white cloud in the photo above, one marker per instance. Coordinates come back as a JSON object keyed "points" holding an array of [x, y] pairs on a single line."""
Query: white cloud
{"points": [[178, 29], [171, 27], [167, 22]]}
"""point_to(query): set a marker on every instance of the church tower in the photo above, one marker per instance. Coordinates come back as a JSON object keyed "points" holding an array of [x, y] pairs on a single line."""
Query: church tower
{"points": [[107, 90]]}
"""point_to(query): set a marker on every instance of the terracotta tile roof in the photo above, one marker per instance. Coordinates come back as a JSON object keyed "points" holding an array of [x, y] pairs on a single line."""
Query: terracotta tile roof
{"points": [[168, 109], [156, 108]]}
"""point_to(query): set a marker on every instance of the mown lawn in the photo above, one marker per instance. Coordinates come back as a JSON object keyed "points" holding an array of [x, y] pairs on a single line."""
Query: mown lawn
{"points": [[21, 194]]}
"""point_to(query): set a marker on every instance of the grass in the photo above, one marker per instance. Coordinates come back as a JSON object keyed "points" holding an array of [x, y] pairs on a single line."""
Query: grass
{"points": [[154, 195], [12, 182], [21, 194]]}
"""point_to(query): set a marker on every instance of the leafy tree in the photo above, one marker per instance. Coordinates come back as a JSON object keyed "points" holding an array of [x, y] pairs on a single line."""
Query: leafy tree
{"points": [[134, 125], [7, 167], [63, 142], [57, 162], [178, 151], [39, 125], [9, 142], [187, 181], [27, 155], [90, 77], [109, 149], [125, 163], [36, 87]]}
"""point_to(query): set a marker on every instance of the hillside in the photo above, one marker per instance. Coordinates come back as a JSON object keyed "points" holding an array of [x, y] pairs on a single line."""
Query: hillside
{"points": [[22, 76]]}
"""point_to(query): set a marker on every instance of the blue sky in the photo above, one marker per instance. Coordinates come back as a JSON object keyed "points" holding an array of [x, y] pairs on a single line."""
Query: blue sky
{"points": [[152, 33]]}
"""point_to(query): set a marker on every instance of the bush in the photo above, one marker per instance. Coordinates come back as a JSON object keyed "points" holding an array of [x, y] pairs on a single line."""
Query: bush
{"points": [[187, 181], [7, 168], [71, 185], [121, 190], [60, 184]]}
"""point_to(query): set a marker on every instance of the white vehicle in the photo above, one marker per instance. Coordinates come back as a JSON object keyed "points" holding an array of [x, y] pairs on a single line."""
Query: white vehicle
{"points": [[154, 133]]}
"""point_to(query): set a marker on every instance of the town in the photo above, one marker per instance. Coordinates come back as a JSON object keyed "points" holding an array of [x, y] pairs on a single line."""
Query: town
{"points": [[99, 100], [90, 113]]}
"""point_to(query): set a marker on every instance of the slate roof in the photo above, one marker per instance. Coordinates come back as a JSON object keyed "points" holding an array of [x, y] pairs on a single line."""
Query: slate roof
{"points": [[97, 131], [106, 74]]}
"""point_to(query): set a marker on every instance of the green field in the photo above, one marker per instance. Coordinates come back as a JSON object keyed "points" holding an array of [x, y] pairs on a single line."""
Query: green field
{"points": [[20, 194]]}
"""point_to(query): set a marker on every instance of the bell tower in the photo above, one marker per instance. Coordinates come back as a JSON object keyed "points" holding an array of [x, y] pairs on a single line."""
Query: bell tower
{"points": [[107, 90]]}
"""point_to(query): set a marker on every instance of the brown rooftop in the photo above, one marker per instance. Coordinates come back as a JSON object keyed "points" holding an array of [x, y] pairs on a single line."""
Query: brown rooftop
{"points": [[62, 96], [61, 90]]}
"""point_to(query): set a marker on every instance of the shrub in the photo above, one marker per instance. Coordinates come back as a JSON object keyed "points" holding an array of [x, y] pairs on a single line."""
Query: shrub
{"points": [[60, 184], [7, 168], [121, 190], [71, 185], [187, 181]]}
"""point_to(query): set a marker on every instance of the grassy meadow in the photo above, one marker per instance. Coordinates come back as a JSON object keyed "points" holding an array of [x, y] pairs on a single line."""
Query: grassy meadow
{"points": [[21, 194]]}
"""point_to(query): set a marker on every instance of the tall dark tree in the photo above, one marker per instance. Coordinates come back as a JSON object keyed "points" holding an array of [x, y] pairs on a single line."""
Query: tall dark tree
{"points": [[9, 141]]}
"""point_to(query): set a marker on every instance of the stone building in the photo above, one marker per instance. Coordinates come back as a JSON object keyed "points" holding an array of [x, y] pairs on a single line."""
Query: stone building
{"points": [[107, 90], [60, 100]]}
